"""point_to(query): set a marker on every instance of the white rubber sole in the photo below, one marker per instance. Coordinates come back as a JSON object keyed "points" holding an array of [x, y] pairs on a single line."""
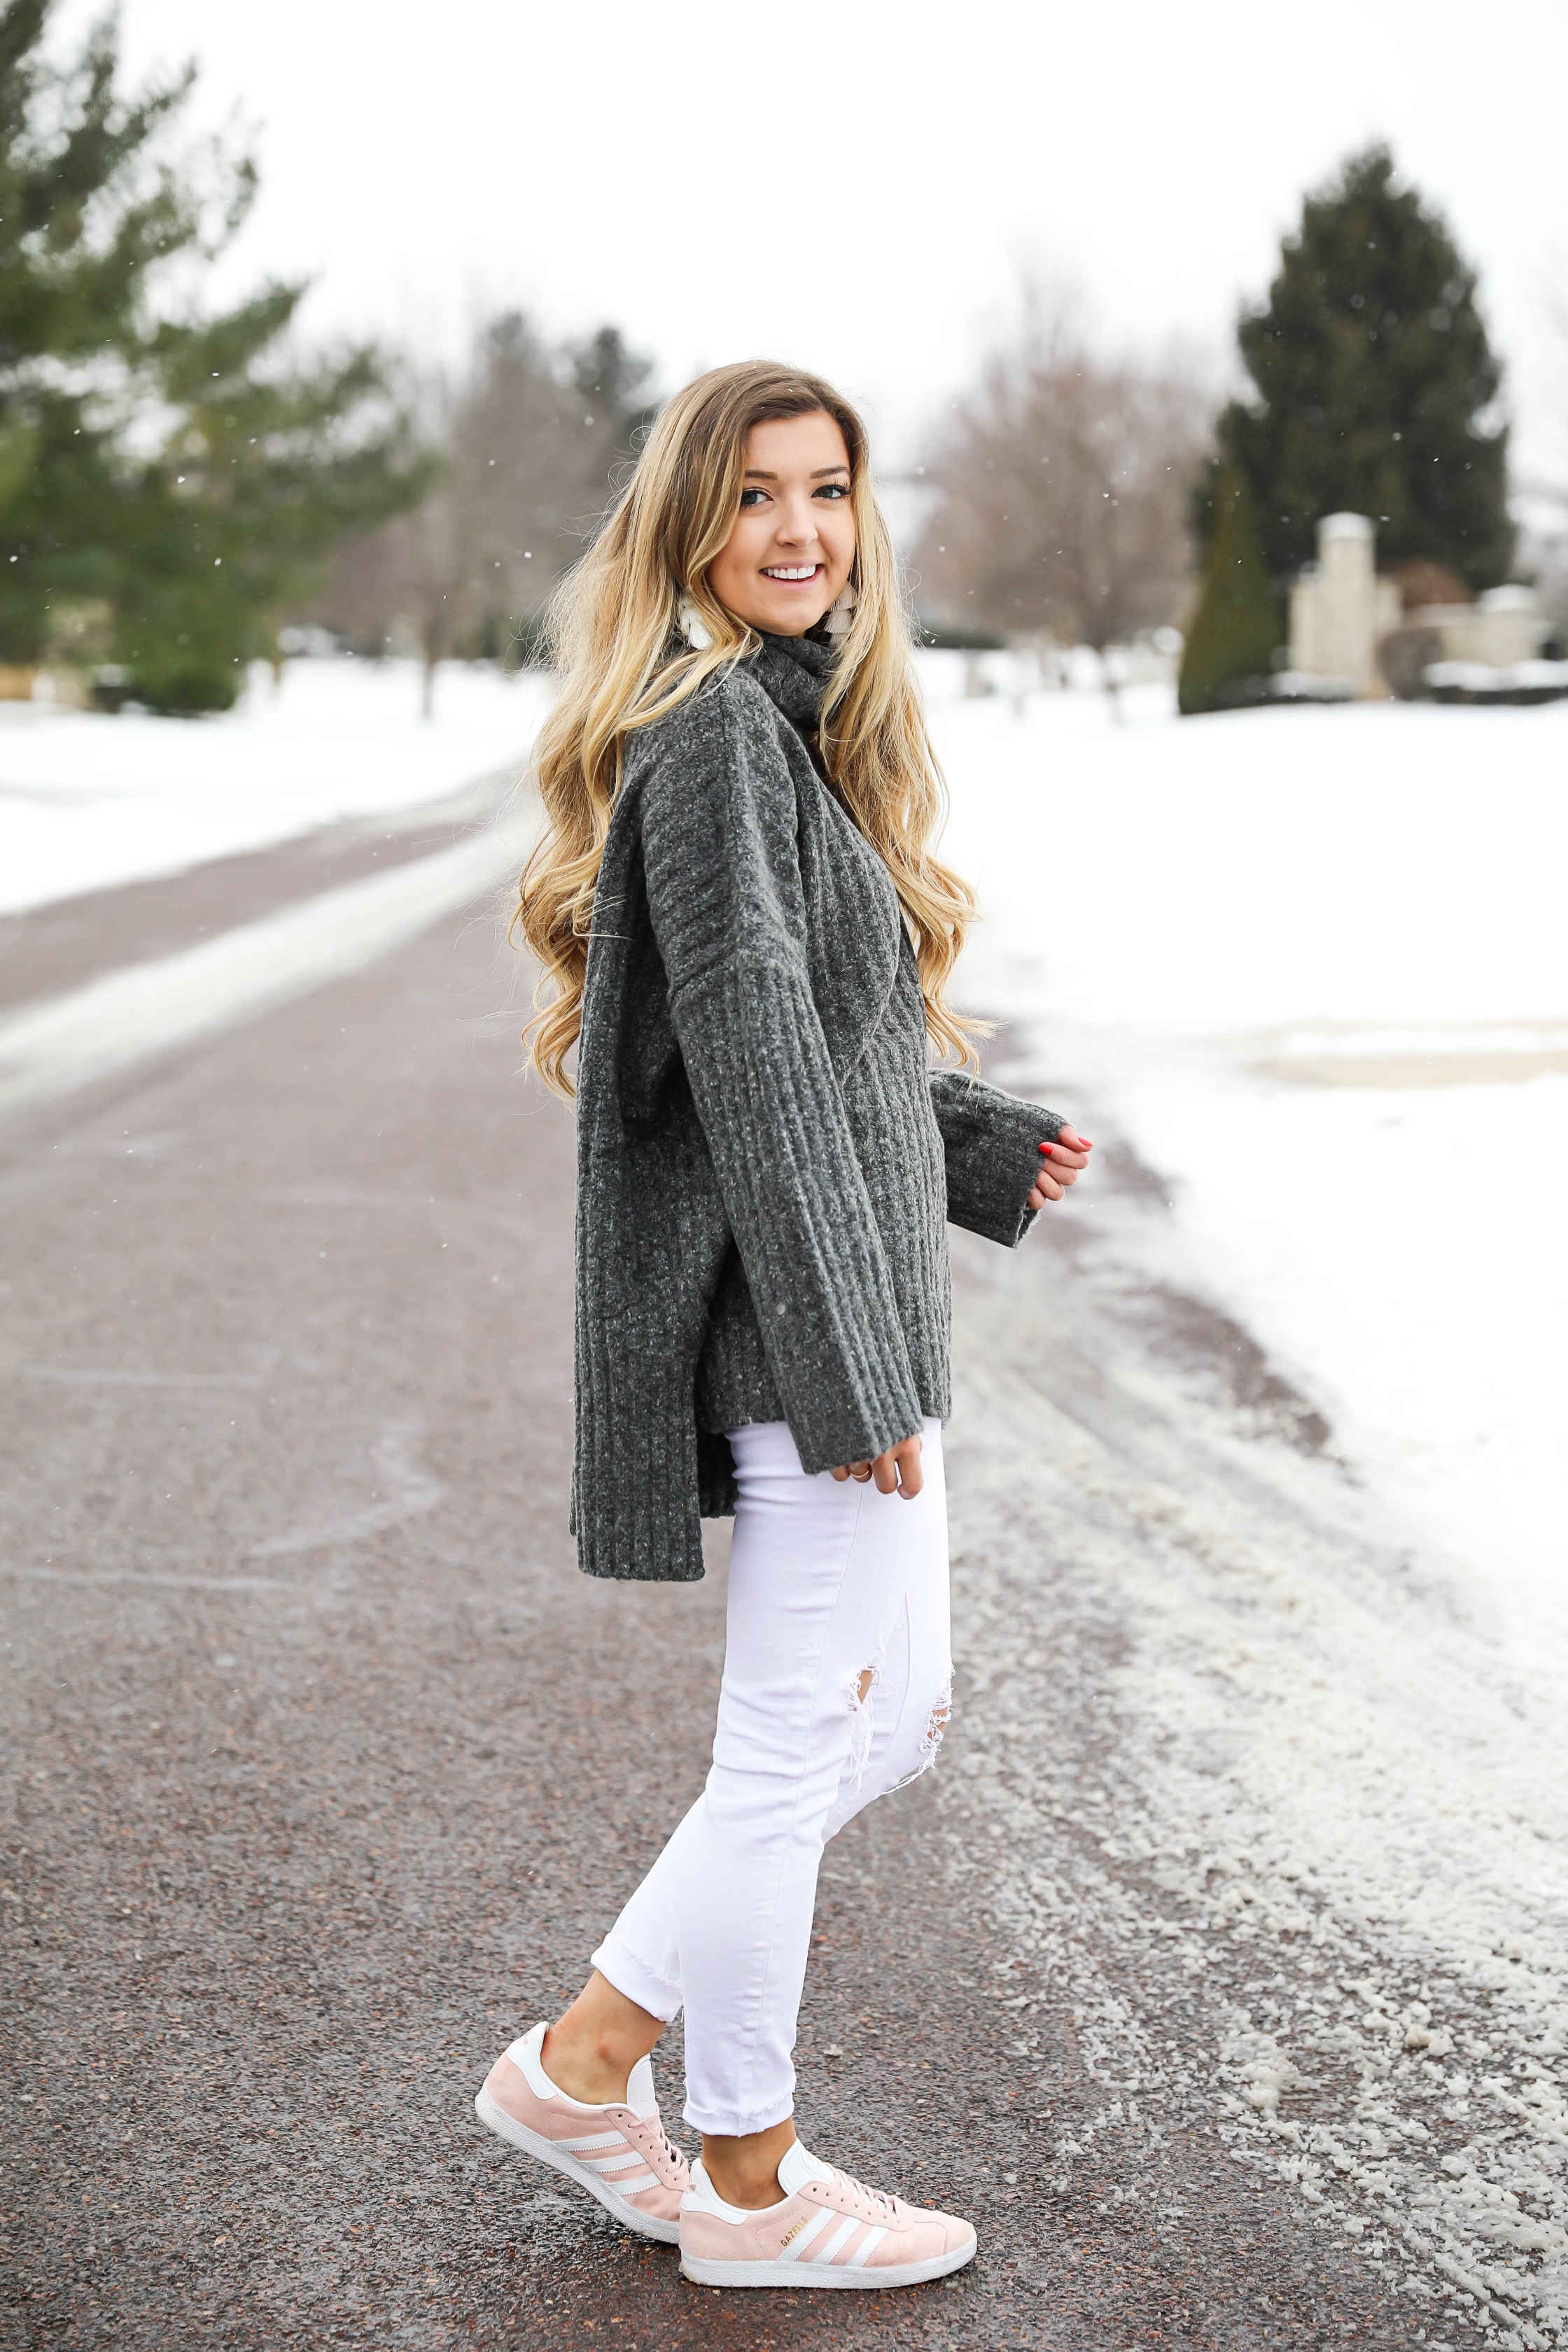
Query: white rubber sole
{"points": [[705, 2274], [534, 2144]]}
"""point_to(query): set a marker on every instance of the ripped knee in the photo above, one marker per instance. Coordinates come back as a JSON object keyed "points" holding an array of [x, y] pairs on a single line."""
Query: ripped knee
{"points": [[937, 1720], [861, 1685], [939, 1715]]}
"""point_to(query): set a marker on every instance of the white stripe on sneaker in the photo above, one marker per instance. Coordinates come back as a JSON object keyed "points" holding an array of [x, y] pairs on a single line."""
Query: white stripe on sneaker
{"points": [[595, 2139], [869, 2243], [797, 2245], [617, 2159], [617, 2194], [840, 2239]]}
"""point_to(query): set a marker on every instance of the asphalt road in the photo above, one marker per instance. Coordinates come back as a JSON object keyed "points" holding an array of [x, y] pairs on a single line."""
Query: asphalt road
{"points": [[324, 1768]]}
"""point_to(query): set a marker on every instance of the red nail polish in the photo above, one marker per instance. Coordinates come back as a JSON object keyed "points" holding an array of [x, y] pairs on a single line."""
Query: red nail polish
{"points": [[1046, 1150]]}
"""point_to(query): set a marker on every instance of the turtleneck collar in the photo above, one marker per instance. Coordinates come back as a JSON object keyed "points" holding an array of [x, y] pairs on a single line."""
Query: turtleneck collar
{"points": [[793, 673]]}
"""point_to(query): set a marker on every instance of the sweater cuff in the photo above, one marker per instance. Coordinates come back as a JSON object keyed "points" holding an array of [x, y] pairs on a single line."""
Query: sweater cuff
{"points": [[831, 1445], [992, 1162], [1016, 1168]]}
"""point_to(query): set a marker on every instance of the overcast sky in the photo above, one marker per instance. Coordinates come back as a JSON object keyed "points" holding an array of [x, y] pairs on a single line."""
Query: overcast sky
{"points": [[852, 186]]}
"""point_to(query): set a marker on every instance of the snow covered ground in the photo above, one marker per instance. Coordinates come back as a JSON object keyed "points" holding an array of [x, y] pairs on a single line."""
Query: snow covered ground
{"points": [[87, 802], [1315, 962], [1311, 962]]}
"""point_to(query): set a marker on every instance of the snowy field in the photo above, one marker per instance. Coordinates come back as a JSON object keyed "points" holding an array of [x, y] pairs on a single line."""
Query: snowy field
{"points": [[1314, 963], [87, 800]]}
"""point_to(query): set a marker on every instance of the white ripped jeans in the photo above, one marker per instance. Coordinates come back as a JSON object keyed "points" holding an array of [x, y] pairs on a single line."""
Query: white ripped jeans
{"points": [[826, 1579]]}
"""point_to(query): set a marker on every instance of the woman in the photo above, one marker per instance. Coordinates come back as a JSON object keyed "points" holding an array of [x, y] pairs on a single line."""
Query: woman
{"points": [[748, 939]]}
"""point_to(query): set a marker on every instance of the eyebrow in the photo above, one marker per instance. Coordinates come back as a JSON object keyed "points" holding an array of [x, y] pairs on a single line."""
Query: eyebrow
{"points": [[755, 474]]}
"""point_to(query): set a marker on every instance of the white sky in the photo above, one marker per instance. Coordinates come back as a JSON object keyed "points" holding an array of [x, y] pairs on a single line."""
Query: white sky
{"points": [[852, 186]]}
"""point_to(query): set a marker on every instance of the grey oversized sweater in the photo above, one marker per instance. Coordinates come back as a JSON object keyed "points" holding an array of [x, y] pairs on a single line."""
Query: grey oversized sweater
{"points": [[766, 1160]]}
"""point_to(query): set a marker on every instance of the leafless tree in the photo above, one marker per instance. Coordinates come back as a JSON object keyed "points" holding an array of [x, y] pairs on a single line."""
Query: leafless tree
{"points": [[1062, 484], [528, 435]]}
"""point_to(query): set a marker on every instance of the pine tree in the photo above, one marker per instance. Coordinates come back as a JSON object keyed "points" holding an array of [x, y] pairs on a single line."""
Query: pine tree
{"points": [[166, 483], [606, 372], [1235, 629], [1375, 384], [264, 470]]}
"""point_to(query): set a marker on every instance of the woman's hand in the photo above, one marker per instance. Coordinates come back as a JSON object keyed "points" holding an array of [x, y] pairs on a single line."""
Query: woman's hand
{"points": [[897, 1472], [1060, 1163]]}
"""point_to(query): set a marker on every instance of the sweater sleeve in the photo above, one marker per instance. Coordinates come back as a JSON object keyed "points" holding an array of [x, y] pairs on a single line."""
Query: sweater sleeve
{"points": [[991, 1142], [723, 874]]}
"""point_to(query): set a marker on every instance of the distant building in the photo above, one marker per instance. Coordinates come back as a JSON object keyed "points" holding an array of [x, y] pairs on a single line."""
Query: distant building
{"points": [[1504, 626], [1339, 609], [1343, 612]]}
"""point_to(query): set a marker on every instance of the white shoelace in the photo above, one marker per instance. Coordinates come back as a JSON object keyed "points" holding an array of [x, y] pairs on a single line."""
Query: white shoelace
{"points": [[667, 2147], [878, 2206]]}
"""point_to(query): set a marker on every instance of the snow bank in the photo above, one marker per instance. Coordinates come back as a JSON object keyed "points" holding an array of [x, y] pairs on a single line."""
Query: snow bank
{"points": [[1314, 963], [87, 802]]}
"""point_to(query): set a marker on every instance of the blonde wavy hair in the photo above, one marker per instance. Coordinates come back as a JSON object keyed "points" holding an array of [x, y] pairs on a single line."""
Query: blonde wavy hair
{"points": [[613, 635]]}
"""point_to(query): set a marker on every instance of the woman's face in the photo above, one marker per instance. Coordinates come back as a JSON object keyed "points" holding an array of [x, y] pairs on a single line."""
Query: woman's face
{"points": [[794, 541]]}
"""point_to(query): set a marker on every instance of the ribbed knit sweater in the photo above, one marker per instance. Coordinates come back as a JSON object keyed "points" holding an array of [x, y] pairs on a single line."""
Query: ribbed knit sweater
{"points": [[767, 1160]]}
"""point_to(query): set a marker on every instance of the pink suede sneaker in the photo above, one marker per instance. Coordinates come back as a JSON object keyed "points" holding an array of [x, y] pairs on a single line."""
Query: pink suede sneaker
{"points": [[829, 2231], [618, 2153]]}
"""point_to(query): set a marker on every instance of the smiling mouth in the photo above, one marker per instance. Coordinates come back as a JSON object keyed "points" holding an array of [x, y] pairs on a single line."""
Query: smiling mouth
{"points": [[793, 575]]}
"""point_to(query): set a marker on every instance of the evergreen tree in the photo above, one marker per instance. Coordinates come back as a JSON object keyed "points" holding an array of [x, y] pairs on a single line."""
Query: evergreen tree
{"points": [[166, 482], [1374, 385], [1235, 629], [606, 372]]}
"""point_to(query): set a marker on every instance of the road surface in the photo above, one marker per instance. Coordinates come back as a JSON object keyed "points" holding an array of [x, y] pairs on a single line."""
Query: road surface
{"points": [[325, 1767]]}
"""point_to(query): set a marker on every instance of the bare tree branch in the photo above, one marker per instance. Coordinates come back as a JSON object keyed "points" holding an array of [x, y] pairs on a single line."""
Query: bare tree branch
{"points": [[528, 434], [1062, 487]]}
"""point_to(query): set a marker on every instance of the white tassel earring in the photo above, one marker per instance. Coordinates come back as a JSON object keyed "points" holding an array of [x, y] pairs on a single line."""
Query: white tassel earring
{"points": [[694, 629], [841, 613]]}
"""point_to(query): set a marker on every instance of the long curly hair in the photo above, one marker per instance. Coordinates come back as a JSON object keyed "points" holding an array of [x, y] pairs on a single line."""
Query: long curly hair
{"points": [[612, 634]]}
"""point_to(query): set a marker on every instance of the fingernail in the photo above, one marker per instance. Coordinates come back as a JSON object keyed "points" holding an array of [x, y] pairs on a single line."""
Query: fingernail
{"points": [[1046, 1150]]}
